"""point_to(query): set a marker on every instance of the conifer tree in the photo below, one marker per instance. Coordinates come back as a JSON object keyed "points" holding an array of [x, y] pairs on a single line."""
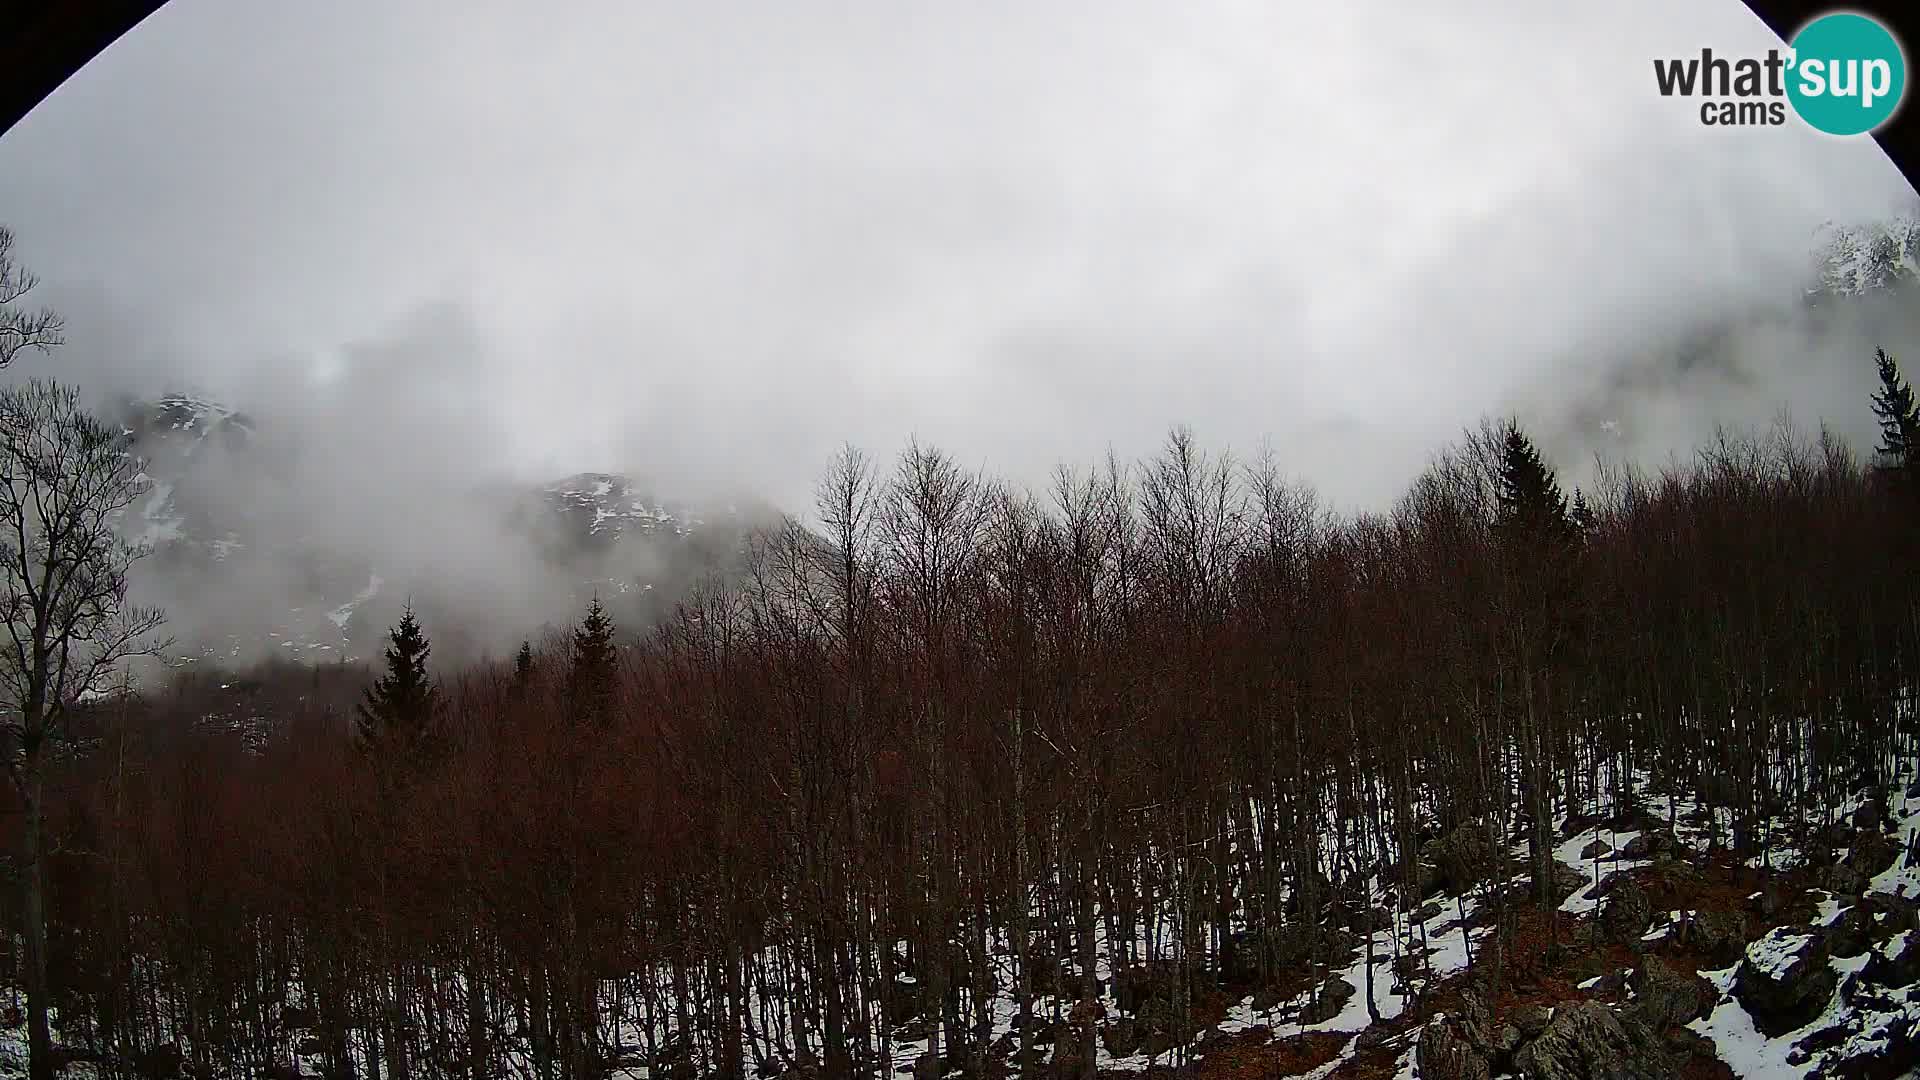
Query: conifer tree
{"points": [[400, 706], [1532, 509], [590, 681], [1537, 535], [1894, 406], [523, 666], [1580, 517]]}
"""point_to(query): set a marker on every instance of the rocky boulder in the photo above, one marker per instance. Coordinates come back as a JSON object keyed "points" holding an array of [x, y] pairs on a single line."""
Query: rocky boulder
{"points": [[1902, 912], [1871, 852], [1895, 962], [1328, 1001], [1566, 881], [1844, 878], [1653, 843], [1688, 1045], [1530, 1021], [1720, 936], [1626, 913], [1850, 934], [1767, 901], [1586, 1041], [1474, 1021], [1444, 1054], [1785, 980], [1665, 996], [1373, 920], [1467, 1041], [1463, 857]]}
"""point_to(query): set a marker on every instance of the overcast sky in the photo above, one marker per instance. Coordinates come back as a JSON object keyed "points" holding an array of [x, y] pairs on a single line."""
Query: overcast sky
{"points": [[712, 241]]}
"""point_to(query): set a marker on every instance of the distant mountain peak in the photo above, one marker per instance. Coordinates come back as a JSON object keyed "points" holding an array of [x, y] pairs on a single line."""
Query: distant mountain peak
{"points": [[187, 414], [605, 507], [1858, 259]]}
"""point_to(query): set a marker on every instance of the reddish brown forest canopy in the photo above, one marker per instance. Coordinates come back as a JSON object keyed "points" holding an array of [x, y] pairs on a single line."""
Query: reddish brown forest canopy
{"points": [[42, 42]]}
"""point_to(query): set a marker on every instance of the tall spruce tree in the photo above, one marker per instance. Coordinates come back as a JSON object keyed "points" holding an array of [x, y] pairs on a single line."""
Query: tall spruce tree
{"points": [[1532, 510], [523, 666], [1894, 407], [400, 706], [1580, 516], [1537, 537], [590, 681]]}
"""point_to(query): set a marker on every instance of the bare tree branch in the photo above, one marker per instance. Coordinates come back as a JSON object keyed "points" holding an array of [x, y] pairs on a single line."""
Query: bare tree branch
{"points": [[22, 328]]}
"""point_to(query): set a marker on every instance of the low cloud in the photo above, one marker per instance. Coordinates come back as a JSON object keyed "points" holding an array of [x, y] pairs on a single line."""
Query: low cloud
{"points": [[707, 245]]}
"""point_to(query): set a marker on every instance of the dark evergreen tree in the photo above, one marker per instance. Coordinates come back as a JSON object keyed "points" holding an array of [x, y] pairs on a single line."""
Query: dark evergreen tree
{"points": [[523, 666], [590, 682], [1532, 509], [1537, 539], [1580, 517], [1893, 405], [400, 705]]}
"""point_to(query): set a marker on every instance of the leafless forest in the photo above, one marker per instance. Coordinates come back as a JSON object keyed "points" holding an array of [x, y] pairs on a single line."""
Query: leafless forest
{"points": [[948, 743]]}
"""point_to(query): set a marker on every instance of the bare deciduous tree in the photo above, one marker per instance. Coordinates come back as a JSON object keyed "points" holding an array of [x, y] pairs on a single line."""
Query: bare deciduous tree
{"points": [[65, 478], [20, 328]]}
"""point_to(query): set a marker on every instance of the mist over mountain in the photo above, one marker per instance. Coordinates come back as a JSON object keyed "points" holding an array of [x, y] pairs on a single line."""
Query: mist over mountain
{"points": [[289, 531], [296, 517], [1641, 393]]}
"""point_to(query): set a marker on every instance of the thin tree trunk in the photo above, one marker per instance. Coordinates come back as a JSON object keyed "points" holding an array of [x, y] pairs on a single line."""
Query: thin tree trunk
{"points": [[34, 915]]}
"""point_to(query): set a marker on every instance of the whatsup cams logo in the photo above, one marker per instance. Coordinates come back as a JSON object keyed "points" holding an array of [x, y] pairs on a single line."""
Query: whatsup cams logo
{"points": [[1843, 73]]}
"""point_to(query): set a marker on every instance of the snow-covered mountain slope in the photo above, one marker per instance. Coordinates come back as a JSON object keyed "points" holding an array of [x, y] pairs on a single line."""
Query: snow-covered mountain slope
{"points": [[1804, 344], [171, 435], [605, 508], [1856, 260]]}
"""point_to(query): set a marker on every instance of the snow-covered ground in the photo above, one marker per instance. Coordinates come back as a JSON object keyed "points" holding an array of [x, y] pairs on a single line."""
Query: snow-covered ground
{"points": [[1850, 1024]]}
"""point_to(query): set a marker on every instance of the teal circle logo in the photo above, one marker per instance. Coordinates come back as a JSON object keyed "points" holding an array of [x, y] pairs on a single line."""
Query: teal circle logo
{"points": [[1848, 74]]}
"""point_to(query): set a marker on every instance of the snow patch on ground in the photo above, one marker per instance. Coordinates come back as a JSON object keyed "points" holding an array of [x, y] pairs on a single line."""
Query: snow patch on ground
{"points": [[1741, 1045]]}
